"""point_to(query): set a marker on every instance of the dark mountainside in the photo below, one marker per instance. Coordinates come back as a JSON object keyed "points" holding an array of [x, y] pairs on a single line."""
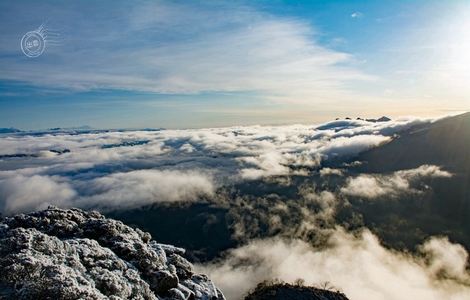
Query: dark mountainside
{"points": [[445, 142], [445, 208], [284, 291]]}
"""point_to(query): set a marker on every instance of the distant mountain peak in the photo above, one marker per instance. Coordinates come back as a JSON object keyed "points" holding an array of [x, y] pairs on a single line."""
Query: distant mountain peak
{"points": [[9, 130], [381, 119]]}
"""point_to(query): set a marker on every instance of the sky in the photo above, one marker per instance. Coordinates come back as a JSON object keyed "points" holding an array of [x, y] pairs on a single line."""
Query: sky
{"points": [[193, 64]]}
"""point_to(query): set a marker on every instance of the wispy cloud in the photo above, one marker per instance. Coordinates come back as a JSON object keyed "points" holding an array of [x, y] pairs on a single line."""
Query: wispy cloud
{"points": [[357, 15], [182, 49]]}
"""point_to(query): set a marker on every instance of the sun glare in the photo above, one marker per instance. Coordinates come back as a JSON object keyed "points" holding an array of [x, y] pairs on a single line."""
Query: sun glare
{"points": [[459, 44]]}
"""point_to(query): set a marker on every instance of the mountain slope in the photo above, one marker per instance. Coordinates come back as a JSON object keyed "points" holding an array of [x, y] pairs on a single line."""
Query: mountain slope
{"points": [[444, 207], [445, 142]]}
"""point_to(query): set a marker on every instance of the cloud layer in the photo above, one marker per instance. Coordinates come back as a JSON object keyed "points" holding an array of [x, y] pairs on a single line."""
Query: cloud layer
{"points": [[358, 265], [118, 190], [106, 169], [281, 188]]}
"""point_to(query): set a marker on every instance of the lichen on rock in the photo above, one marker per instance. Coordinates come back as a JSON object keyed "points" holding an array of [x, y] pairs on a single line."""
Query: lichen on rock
{"points": [[74, 254]]}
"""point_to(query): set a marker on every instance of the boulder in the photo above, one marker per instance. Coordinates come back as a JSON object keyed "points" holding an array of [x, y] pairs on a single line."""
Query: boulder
{"points": [[74, 254]]}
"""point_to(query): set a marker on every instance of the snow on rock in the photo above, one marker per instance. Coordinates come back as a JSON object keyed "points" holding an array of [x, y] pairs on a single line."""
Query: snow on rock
{"points": [[74, 254]]}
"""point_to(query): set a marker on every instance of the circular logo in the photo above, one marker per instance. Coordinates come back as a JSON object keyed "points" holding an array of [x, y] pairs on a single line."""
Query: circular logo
{"points": [[33, 44]]}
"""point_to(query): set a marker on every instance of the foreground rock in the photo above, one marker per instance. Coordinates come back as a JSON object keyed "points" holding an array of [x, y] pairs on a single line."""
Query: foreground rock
{"points": [[73, 254], [284, 291]]}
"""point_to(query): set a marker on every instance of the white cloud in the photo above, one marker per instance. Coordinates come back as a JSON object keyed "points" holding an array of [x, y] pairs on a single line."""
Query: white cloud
{"points": [[114, 163], [372, 186], [22, 194], [423, 171], [188, 48], [187, 148], [350, 146], [19, 193], [268, 164], [357, 15], [261, 150], [446, 259], [327, 202], [143, 187], [360, 266], [330, 171]]}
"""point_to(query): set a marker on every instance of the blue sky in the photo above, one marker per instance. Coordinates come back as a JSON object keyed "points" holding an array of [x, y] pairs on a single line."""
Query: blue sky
{"points": [[178, 64]]}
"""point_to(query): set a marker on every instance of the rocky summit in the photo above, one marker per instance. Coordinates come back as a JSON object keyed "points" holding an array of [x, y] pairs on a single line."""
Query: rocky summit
{"points": [[285, 291], [73, 254]]}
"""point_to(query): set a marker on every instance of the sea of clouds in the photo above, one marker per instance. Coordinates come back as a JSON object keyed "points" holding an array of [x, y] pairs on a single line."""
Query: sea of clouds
{"points": [[126, 169], [280, 237]]}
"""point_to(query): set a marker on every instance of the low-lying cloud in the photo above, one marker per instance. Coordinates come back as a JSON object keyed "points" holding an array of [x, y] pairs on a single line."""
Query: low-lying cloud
{"points": [[143, 187], [21, 193], [373, 186], [356, 264], [116, 191]]}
